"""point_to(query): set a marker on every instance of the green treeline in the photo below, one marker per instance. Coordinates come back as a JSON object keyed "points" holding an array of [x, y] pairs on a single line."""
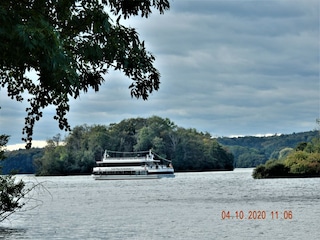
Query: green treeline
{"points": [[252, 151], [20, 161], [188, 149], [303, 161]]}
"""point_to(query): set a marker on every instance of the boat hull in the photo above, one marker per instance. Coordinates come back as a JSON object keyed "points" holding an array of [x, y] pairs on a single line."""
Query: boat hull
{"points": [[130, 177]]}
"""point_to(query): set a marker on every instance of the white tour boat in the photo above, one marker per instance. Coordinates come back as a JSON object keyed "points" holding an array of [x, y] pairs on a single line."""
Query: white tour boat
{"points": [[139, 167]]}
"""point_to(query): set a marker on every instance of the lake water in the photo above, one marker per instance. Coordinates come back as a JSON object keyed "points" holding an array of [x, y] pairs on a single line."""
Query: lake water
{"points": [[190, 206]]}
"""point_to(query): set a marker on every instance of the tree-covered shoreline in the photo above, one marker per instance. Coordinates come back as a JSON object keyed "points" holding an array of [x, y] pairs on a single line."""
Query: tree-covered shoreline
{"points": [[190, 150], [301, 162]]}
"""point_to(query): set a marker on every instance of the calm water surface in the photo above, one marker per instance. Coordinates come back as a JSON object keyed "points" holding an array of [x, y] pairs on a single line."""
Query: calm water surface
{"points": [[189, 206]]}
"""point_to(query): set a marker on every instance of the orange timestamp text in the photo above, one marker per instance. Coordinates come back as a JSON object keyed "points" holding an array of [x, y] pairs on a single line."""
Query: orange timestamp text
{"points": [[256, 215]]}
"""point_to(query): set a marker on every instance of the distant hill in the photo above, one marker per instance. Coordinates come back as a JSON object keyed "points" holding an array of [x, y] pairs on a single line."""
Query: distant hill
{"points": [[251, 151], [21, 160]]}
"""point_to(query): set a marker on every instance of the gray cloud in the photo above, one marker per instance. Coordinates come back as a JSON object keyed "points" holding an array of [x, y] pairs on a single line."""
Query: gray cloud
{"points": [[227, 67]]}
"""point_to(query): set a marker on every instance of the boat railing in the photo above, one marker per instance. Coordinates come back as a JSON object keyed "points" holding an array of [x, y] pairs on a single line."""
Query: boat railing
{"points": [[121, 158], [147, 156]]}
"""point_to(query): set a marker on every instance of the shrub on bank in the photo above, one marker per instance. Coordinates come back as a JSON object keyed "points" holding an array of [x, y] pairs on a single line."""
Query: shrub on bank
{"points": [[299, 163], [272, 168]]}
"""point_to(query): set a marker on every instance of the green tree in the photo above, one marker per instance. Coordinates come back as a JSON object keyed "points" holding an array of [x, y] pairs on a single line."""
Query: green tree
{"points": [[144, 139], [53, 160], [98, 141], [11, 195], [220, 157], [3, 142], [302, 162], [76, 156], [272, 168], [301, 146], [12, 192], [313, 145], [198, 151], [70, 45], [155, 134], [284, 152]]}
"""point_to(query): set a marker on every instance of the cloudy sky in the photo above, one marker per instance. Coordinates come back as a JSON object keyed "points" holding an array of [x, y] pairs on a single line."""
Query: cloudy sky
{"points": [[228, 67]]}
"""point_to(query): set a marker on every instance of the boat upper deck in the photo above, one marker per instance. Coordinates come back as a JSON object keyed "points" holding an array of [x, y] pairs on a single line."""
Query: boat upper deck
{"points": [[127, 161]]}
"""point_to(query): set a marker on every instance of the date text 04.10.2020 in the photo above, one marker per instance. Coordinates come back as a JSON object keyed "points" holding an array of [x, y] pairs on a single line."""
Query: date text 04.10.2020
{"points": [[256, 215]]}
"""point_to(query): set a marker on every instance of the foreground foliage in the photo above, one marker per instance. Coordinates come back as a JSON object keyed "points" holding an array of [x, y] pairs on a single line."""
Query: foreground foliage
{"points": [[54, 50], [188, 149], [12, 192], [304, 161], [11, 195]]}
